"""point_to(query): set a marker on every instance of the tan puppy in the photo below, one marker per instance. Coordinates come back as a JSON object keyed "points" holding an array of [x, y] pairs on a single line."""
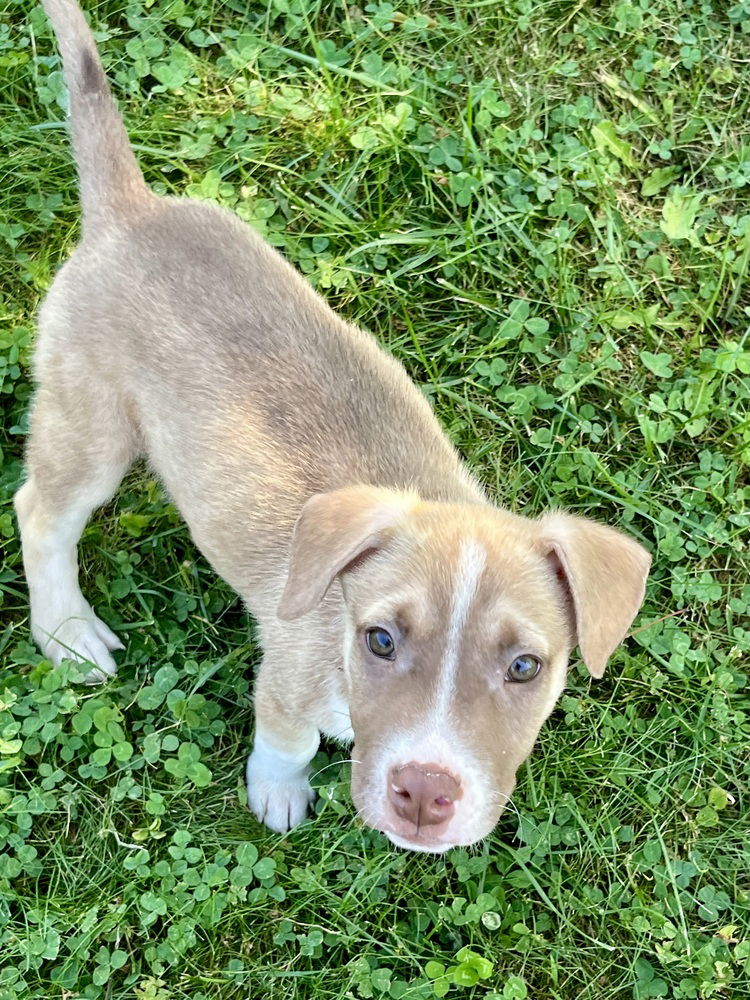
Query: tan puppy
{"points": [[397, 607]]}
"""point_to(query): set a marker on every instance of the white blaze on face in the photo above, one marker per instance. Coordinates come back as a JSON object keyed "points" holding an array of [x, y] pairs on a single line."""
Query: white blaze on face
{"points": [[472, 560], [434, 738]]}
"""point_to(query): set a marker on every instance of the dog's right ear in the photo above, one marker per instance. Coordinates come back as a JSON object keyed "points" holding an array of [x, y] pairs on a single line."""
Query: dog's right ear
{"points": [[332, 531]]}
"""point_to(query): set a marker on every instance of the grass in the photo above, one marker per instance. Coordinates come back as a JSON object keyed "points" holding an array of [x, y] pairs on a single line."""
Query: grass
{"points": [[542, 209]]}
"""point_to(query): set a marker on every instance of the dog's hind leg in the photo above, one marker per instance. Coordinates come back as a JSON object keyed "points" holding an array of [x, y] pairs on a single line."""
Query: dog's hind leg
{"points": [[80, 447]]}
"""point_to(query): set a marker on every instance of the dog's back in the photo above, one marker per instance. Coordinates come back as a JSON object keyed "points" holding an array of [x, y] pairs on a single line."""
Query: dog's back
{"points": [[197, 337], [207, 335]]}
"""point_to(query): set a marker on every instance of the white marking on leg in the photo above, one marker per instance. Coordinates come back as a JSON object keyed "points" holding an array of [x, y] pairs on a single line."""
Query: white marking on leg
{"points": [[278, 790], [62, 621], [282, 765], [472, 560]]}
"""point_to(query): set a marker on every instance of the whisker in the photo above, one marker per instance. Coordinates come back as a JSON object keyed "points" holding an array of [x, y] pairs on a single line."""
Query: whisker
{"points": [[335, 763]]}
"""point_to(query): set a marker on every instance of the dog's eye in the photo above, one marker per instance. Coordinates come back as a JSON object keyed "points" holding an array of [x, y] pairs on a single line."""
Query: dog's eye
{"points": [[380, 643], [523, 668]]}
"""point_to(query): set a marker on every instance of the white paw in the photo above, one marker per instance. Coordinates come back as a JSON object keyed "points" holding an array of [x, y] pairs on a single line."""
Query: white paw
{"points": [[279, 804], [81, 636], [278, 790]]}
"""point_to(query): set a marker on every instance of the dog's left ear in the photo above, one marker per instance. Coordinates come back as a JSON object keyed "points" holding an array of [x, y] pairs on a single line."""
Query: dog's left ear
{"points": [[333, 530], [605, 574]]}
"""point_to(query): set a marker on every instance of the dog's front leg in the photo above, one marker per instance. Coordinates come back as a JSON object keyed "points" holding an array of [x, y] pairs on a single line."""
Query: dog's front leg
{"points": [[278, 786]]}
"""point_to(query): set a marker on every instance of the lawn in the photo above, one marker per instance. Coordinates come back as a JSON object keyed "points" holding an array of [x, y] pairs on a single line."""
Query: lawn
{"points": [[542, 209]]}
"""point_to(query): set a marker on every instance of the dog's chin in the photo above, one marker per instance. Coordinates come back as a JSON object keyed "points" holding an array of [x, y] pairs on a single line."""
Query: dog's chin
{"points": [[424, 846]]}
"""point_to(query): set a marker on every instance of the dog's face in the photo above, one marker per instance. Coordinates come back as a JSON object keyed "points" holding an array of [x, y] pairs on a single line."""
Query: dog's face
{"points": [[459, 621], [458, 640]]}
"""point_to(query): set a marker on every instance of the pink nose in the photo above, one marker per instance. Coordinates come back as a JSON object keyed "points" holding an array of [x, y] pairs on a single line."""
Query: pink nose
{"points": [[422, 794]]}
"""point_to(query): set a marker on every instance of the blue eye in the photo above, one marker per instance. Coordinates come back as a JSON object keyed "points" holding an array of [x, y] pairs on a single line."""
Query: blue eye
{"points": [[380, 643], [523, 668]]}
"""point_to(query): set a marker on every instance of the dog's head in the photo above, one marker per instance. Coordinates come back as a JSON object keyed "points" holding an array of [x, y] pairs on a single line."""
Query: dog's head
{"points": [[459, 621]]}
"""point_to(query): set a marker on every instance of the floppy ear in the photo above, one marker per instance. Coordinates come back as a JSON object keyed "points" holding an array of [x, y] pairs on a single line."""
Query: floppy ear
{"points": [[605, 572], [331, 532]]}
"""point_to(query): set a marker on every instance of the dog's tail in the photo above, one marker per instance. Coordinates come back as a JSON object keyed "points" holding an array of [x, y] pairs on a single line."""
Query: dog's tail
{"points": [[111, 182]]}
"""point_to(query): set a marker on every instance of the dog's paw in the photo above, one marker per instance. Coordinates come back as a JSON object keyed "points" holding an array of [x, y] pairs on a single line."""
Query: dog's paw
{"points": [[82, 637], [279, 805], [278, 792]]}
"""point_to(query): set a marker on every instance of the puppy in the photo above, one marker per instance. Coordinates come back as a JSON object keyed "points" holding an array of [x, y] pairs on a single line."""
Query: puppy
{"points": [[397, 607]]}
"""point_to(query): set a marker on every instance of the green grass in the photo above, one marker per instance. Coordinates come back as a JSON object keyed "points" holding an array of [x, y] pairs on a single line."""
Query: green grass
{"points": [[543, 209]]}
